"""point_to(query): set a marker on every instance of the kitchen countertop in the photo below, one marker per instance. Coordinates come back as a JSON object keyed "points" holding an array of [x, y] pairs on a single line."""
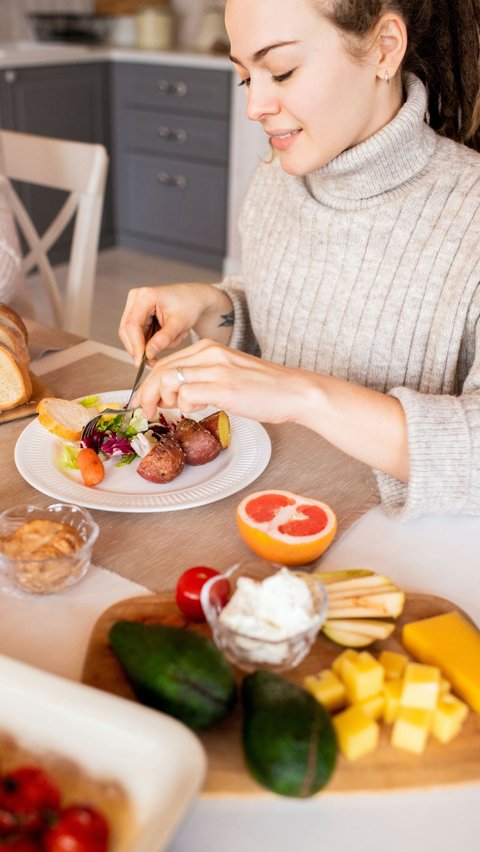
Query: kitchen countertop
{"points": [[34, 53]]}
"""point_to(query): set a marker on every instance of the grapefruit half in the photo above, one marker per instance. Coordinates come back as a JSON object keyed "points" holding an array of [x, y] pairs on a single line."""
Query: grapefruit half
{"points": [[280, 526]]}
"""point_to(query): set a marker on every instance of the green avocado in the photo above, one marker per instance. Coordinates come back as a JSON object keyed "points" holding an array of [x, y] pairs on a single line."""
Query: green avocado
{"points": [[176, 671], [288, 738]]}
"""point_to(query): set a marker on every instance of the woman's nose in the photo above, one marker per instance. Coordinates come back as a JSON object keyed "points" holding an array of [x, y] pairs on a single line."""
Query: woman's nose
{"points": [[261, 102]]}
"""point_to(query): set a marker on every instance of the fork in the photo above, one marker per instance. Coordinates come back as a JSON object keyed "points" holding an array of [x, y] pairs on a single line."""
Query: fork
{"points": [[90, 427]]}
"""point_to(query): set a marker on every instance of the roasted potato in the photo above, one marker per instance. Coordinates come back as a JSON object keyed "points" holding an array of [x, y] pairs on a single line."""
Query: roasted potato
{"points": [[218, 424], [198, 444], [164, 462]]}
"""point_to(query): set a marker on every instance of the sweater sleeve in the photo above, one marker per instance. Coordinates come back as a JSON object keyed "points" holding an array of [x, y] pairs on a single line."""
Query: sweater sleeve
{"points": [[444, 452]]}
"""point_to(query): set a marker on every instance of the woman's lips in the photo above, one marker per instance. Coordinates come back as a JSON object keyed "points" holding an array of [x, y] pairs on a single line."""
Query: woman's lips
{"points": [[283, 140]]}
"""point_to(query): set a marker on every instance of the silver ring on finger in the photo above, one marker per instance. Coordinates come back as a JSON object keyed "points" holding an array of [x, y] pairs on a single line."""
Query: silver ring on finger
{"points": [[180, 376]]}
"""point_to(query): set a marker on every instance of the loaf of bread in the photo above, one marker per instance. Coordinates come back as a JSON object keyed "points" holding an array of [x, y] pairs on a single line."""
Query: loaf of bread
{"points": [[10, 317], [15, 381], [14, 339]]}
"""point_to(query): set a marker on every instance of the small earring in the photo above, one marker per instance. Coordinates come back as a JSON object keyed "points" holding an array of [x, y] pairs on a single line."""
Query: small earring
{"points": [[386, 77]]}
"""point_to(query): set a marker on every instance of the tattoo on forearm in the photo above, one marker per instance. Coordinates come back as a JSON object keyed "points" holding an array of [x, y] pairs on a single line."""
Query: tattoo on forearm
{"points": [[227, 319]]}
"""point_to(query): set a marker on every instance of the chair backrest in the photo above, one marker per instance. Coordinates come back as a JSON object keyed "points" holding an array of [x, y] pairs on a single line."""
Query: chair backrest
{"points": [[79, 168]]}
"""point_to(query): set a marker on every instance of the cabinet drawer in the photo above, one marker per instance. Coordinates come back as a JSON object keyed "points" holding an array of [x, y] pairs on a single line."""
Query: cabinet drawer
{"points": [[177, 135], [178, 201], [175, 88]]}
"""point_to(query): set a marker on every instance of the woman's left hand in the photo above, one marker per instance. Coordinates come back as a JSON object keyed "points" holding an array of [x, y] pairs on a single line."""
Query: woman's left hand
{"points": [[207, 373]]}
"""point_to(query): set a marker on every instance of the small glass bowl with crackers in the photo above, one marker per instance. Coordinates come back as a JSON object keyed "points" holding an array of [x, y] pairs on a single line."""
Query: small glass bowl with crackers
{"points": [[46, 549]]}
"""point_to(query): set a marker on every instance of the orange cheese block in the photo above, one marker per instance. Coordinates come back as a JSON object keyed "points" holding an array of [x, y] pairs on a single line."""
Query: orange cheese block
{"points": [[453, 644]]}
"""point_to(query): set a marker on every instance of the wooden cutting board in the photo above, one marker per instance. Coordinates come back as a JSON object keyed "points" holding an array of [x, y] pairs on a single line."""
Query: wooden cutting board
{"points": [[28, 409], [387, 768]]}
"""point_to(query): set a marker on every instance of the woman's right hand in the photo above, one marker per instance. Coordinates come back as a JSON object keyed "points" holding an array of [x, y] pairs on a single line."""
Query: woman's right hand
{"points": [[179, 309]]}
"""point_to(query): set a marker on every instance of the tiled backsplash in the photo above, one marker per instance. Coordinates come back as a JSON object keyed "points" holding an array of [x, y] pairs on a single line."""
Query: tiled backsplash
{"points": [[14, 22]]}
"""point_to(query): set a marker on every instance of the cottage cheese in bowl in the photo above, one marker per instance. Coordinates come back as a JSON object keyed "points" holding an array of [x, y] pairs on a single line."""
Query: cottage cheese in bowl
{"points": [[267, 623]]}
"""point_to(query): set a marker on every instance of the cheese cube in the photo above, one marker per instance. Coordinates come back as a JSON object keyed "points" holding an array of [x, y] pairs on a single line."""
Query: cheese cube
{"points": [[421, 686], [410, 729], [445, 686], [363, 676], [372, 707], [327, 688], [448, 718], [393, 663], [357, 734], [348, 654], [452, 643], [392, 690]]}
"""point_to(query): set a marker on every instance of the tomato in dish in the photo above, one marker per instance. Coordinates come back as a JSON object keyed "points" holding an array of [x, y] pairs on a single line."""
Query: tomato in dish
{"points": [[79, 829], [28, 788]]}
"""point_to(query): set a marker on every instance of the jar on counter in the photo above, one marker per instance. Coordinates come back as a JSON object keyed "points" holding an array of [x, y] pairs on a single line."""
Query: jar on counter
{"points": [[154, 26], [212, 35]]}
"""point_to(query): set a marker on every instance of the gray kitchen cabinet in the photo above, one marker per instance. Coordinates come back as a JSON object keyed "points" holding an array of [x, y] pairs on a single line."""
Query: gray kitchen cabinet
{"points": [[170, 160], [63, 101]]}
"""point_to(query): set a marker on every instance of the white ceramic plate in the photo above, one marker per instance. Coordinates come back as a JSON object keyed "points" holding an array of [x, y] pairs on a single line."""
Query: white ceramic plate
{"points": [[123, 490], [158, 761]]}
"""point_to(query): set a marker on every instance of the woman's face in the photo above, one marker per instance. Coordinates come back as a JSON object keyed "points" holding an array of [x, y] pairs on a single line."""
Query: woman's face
{"points": [[313, 99]]}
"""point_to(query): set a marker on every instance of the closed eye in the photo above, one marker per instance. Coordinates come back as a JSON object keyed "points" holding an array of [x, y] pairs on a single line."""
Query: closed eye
{"points": [[279, 78]]}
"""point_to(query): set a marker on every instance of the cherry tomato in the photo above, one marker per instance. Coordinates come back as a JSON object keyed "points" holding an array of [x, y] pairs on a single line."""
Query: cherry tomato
{"points": [[21, 844], [189, 587], [13, 823], [80, 828], [28, 789]]}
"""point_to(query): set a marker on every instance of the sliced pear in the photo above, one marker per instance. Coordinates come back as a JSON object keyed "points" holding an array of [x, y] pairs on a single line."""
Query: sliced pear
{"points": [[357, 633], [345, 638], [376, 628], [346, 591], [386, 604], [328, 577], [370, 581]]}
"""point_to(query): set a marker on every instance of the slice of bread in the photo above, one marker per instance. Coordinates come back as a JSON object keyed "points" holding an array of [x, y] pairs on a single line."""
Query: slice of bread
{"points": [[63, 417], [14, 339], [15, 381], [10, 317]]}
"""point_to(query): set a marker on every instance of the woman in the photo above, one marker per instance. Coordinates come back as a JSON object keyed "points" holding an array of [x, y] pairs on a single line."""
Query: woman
{"points": [[361, 247]]}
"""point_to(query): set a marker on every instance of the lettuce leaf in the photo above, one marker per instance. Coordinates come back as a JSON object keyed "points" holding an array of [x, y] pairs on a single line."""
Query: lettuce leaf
{"points": [[126, 460], [138, 423], [69, 455], [90, 401]]}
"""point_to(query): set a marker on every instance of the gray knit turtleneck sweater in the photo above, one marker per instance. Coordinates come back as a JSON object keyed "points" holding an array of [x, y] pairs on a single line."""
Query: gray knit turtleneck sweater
{"points": [[369, 270]]}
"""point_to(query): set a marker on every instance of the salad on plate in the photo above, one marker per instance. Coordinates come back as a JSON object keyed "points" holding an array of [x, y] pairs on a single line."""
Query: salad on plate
{"points": [[162, 447]]}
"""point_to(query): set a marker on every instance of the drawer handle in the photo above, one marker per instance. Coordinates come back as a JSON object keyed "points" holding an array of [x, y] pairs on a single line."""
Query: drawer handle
{"points": [[180, 89], [10, 76], [171, 135], [175, 181]]}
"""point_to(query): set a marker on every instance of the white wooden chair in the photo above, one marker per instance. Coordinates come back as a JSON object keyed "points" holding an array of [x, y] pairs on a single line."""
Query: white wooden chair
{"points": [[79, 168]]}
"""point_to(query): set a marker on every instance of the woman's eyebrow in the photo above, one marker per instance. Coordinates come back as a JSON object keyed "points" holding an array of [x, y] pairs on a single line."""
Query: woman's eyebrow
{"points": [[259, 54]]}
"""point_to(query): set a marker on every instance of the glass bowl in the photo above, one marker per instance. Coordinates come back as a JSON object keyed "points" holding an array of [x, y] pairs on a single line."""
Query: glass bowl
{"points": [[274, 625], [45, 550]]}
